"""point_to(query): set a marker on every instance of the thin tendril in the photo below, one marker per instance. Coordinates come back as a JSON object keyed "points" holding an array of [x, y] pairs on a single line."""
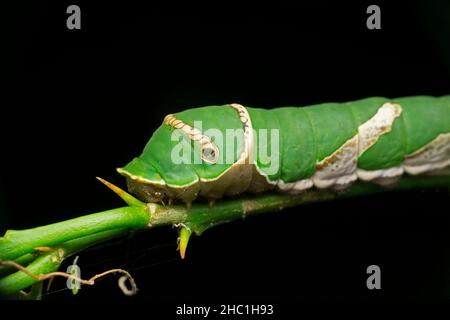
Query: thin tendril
{"points": [[90, 282]]}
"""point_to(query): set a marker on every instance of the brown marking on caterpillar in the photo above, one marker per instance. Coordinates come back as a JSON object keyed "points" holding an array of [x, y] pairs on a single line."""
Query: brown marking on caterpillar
{"points": [[432, 156], [235, 180], [348, 148], [195, 135], [244, 117], [370, 131], [340, 168]]}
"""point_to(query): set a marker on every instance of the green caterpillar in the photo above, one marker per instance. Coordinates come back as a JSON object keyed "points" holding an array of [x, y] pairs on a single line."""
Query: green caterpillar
{"points": [[329, 145]]}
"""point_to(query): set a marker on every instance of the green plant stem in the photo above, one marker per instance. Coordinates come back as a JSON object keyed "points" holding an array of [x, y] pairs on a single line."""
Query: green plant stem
{"points": [[50, 262], [23, 260], [77, 234], [17, 243], [201, 217]]}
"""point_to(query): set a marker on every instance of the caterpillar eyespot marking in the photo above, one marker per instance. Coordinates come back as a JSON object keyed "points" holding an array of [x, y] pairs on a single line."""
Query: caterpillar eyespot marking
{"points": [[209, 154]]}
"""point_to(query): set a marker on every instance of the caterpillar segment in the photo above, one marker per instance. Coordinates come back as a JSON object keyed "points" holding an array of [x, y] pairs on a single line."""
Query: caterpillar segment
{"points": [[326, 146]]}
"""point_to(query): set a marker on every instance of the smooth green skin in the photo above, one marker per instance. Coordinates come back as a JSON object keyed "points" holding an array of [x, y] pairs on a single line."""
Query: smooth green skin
{"points": [[422, 120], [308, 135], [155, 161]]}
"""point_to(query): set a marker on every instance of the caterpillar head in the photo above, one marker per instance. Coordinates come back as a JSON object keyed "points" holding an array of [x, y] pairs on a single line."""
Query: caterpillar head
{"points": [[203, 152]]}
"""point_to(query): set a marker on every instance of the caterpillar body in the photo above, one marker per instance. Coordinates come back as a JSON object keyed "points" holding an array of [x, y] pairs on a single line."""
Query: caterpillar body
{"points": [[329, 145]]}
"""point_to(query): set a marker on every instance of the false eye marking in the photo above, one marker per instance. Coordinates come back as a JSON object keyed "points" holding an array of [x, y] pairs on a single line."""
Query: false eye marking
{"points": [[210, 152]]}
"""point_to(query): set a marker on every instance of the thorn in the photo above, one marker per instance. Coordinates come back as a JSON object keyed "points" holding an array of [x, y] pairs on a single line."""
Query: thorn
{"points": [[211, 203], [189, 204], [183, 238], [128, 198], [43, 249], [170, 201]]}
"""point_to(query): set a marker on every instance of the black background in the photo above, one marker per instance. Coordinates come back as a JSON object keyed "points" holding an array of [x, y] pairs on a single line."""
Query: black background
{"points": [[86, 101]]}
